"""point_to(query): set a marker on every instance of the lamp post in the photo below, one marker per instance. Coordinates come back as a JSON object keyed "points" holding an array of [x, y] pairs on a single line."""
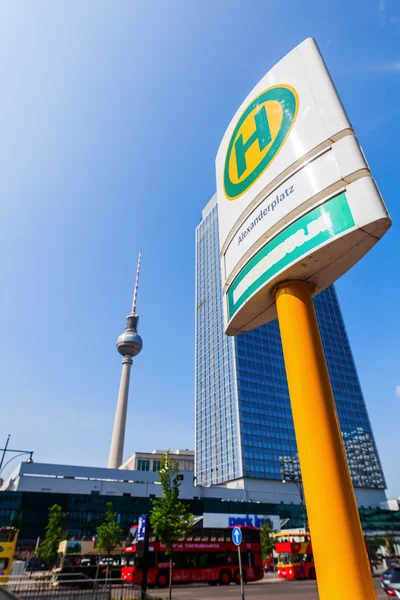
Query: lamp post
{"points": [[16, 452], [4, 451], [299, 484]]}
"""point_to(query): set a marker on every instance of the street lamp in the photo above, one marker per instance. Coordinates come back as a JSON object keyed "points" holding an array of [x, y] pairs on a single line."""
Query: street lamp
{"points": [[299, 485], [16, 452]]}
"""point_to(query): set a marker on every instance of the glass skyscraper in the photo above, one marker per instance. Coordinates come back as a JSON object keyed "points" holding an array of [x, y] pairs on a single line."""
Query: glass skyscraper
{"points": [[244, 426]]}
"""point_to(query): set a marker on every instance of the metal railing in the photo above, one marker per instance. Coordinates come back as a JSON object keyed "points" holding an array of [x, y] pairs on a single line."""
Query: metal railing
{"points": [[71, 586]]}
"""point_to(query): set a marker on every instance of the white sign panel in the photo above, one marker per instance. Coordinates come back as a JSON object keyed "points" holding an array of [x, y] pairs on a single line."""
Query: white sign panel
{"points": [[236, 520], [291, 112], [317, 176], [329, 171], [287, 154]]}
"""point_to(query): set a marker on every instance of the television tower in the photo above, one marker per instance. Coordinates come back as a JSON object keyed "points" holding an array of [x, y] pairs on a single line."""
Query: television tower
{"points": [[129, 344]]}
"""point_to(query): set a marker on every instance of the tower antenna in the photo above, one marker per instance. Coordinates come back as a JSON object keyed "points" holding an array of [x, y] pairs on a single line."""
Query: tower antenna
{"points": [[135, 289]]}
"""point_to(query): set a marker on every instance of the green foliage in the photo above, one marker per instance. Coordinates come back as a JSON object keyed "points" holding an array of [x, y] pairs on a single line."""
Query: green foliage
{"points": [[267, 537], [55, 533], [170, 518], [109, 533]]}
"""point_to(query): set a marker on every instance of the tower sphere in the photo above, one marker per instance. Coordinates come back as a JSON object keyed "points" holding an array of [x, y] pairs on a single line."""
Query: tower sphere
{"points": [[129, 343]]}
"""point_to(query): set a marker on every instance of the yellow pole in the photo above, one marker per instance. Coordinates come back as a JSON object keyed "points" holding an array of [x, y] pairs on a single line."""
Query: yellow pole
{"points": [[340, 555]]}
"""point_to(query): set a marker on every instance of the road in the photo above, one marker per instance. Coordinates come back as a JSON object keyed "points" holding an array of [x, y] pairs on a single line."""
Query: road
{"points": [[283, 590]]}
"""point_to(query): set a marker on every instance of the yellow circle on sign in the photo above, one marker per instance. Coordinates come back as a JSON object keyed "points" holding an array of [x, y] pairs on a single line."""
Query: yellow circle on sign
{"points": [[259, 135], [254, 156]]}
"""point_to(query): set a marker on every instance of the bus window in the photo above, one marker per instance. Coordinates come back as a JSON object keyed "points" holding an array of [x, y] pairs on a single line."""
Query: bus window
{"points": [[308, 558], [4, 563], [135, 561], [195, 561], [202, 560], [251, 535], [296, 558], [217, 559], [284, 558]]}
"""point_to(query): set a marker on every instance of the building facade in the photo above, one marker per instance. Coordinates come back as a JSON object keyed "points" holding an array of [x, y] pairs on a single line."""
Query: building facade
{"points": [[83, 493], [151, 461], [244, 425]]}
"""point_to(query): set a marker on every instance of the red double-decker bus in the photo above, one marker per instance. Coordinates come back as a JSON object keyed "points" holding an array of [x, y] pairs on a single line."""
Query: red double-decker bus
{"points": [[295, 556], [207, 555]]}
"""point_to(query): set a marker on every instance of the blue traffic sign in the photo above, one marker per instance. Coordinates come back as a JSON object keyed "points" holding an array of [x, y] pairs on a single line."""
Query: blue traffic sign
{"points": [[141, 528], [237, 536]]}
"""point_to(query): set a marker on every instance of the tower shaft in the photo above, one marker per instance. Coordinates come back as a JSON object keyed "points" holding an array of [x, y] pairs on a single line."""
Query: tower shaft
{"points": [[129, 344], [118, 435]]}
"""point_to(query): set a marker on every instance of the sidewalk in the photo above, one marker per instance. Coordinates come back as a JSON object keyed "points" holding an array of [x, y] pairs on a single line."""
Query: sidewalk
{"points": [[269, 578]]}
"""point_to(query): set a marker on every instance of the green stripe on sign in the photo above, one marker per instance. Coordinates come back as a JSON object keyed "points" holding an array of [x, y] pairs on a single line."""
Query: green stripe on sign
{"points": [[301, 237]]}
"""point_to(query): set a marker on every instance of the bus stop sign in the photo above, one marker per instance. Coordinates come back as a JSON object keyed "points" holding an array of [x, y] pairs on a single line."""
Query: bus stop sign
{"points": [[236, 536], [141, 531]]}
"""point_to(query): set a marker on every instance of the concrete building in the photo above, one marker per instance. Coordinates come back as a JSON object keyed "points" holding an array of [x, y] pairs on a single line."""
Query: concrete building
{"points": [[391, 504], [150, 461], [244, 428], [68, 479], [83, 493]]}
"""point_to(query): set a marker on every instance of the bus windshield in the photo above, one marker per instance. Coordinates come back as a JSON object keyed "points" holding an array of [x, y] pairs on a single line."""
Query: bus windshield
{"points": [[284, 558], [7, 535]]}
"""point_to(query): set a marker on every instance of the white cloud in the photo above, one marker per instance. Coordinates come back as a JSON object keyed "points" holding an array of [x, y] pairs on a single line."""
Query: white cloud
{"points": [[382, 12], [398, 391], [390, 67]]}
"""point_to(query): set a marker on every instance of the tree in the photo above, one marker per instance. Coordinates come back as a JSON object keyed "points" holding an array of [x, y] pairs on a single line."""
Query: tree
{"points": [[170, 518], [267, 537], [55, 533], [109, 533]]}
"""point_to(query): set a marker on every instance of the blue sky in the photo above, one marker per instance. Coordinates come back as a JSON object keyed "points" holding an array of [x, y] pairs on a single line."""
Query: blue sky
{"points": [[111, 114]]}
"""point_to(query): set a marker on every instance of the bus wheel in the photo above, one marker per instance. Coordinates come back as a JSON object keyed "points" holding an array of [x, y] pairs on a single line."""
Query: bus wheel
{"points": [[311, 573], [236, 577], [225, 578], [162, 580]]}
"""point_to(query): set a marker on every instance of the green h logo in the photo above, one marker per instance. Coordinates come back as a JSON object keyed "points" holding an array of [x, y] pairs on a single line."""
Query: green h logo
{"points": [[262, 134], [270, 118]]}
